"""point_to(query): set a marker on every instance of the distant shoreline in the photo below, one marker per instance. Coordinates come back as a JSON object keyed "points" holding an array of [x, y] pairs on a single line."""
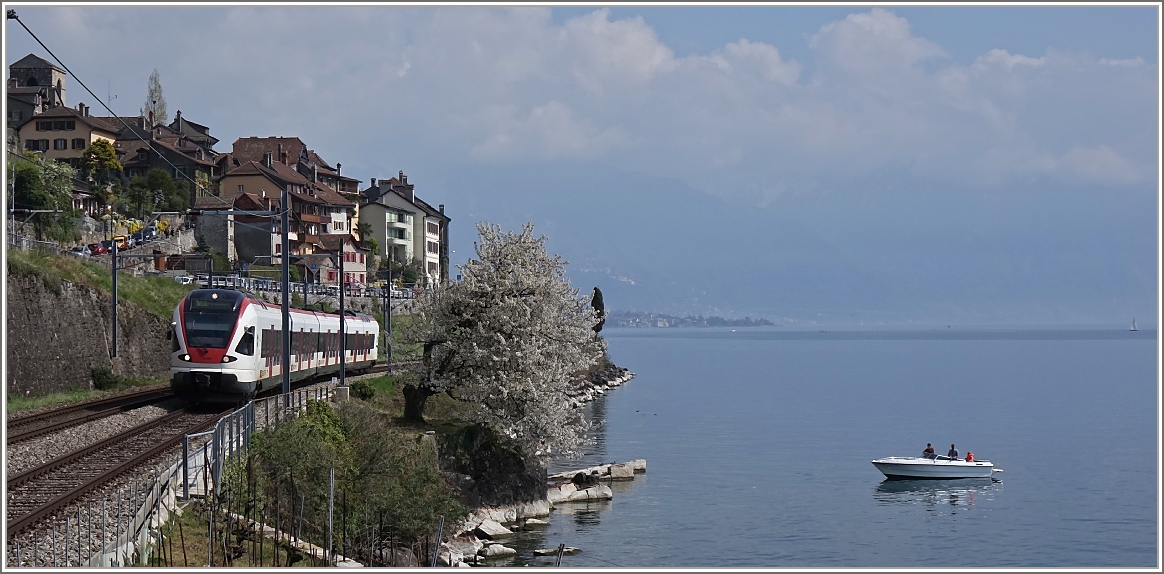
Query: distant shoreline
{"points": [[631, 319]]}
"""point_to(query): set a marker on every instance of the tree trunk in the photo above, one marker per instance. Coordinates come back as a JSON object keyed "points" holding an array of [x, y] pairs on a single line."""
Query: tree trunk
{"points": [[414, 400]]}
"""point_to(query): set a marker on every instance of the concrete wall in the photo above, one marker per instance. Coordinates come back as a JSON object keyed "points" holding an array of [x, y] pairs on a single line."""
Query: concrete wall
{"points": [[55, 339]]}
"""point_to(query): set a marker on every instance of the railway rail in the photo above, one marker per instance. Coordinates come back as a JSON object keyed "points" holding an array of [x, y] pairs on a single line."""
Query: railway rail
{"points": [[39, 492], [30, 426]]}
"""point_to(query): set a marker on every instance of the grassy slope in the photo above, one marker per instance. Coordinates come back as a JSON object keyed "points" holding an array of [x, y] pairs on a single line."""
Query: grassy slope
{"points": [[156, 294]]}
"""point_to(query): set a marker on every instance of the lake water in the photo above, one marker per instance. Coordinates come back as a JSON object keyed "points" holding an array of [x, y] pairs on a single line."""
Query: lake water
{"points": [[758, 445]]}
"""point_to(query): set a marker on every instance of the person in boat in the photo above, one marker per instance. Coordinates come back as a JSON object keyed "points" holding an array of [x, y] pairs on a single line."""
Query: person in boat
{"points": [[929, 451], [953, 454], [969, 457]]}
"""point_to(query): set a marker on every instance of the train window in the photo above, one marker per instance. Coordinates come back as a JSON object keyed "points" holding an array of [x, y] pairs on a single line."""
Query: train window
{"points": [[209, 329], [246, 345]]}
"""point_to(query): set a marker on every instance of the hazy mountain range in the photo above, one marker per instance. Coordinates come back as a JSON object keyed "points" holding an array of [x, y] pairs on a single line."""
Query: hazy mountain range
{"points": [[897, 254]]}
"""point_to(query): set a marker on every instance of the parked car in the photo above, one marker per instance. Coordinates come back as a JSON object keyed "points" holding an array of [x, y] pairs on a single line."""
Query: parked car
{"points": [[139, 238], [97, 248], [123, 242], [184, 279], [81, 251]]}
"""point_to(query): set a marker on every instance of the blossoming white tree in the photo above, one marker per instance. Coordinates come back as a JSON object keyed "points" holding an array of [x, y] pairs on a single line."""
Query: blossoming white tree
{"points": [[508, 341]]}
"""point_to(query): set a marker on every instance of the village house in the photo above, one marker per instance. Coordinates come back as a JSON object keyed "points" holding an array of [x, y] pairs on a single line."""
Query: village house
{"points": [[406, 228]]}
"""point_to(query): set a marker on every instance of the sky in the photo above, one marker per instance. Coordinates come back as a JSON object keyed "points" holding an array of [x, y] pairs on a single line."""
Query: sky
{"points": [[812, 165]]}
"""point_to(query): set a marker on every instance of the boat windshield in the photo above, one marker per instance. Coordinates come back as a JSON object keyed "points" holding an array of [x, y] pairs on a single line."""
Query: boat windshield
{"points": [[210, 316]]}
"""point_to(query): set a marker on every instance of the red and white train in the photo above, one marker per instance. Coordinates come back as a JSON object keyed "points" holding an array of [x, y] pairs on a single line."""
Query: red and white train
{"points": [[227, 345]]}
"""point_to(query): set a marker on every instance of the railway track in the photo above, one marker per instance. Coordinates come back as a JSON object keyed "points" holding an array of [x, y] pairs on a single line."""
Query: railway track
{"points": [[31, 426], [39, 492]]}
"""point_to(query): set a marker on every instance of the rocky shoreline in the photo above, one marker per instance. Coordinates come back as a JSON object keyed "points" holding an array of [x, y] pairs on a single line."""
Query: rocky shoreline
{"points": [[598, 383], [478, 536]]}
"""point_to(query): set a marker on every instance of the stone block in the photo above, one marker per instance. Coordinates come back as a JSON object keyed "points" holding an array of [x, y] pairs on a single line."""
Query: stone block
{"points": [[597, 492], [491, 529], [560, 493], [498, 550], [622, 472], [535, 508]]}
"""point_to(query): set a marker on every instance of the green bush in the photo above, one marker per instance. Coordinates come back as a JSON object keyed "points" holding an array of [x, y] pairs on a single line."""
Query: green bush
{"points": [[363, 390], [104, 379]]}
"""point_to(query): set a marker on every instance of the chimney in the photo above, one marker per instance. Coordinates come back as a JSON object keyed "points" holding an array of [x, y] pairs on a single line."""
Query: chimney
{"points": [[400, 176], [441, 208], [373, 182], [151, 119], [267, 159], [337, 168], [411, 195], [178, 118]]}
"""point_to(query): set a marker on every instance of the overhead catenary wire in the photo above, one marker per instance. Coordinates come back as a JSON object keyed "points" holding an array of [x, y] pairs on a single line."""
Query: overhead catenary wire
{"points": [[11, 15]]}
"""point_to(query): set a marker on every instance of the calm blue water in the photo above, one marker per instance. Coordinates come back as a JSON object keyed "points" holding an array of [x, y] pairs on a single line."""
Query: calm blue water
{"points": [[758, 445]]}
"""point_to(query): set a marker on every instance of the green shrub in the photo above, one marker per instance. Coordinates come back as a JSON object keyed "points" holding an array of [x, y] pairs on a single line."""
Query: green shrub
{"points": [[363, 390], [104, 379]]}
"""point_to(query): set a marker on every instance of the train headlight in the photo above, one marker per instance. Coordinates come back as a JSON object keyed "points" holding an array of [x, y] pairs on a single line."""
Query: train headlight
{"points": [[186, 358], [228, 359]]}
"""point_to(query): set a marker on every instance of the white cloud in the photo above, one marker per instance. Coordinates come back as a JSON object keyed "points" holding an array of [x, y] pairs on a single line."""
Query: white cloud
{"points": [[548, 131], [872, 43], [762, 58], [1006, 60], [1101, 165], [1127, 62]]}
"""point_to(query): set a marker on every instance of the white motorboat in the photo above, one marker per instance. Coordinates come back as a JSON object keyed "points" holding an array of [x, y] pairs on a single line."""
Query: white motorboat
{"points": [[916, 467]]}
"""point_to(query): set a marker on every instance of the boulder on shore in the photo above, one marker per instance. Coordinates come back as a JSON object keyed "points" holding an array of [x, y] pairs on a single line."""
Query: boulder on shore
{"points": [[497, 550], [491, 529]]}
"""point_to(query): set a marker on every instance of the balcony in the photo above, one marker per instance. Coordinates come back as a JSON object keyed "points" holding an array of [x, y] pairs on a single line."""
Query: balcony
{"points": [[313, 218], [393, 224]]}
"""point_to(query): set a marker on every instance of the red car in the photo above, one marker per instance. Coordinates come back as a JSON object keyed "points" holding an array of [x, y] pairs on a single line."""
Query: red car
{"points": [[97, 248]]}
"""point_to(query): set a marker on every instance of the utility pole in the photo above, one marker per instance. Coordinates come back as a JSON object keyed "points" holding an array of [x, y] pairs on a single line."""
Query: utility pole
{"points": [[390, 305], [343, 331], [113, 257], [284, 297]]}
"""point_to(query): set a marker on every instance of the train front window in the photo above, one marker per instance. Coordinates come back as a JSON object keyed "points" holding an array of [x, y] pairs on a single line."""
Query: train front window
{"points": [[210, 316]]}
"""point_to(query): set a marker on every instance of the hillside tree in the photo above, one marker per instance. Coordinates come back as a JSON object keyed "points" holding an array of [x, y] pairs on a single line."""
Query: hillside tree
{"points": [[155, 101], [100, 164], [46, 185], [599, 310], [508, 342]]}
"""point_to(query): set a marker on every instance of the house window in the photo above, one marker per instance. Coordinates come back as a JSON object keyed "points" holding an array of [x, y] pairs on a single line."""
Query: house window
{"points": [[16, 115], [432, 228], [141, 156], [36, 145], [240, 188], [278, 248], [78, 143], [433, 247], [60, 143]]}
